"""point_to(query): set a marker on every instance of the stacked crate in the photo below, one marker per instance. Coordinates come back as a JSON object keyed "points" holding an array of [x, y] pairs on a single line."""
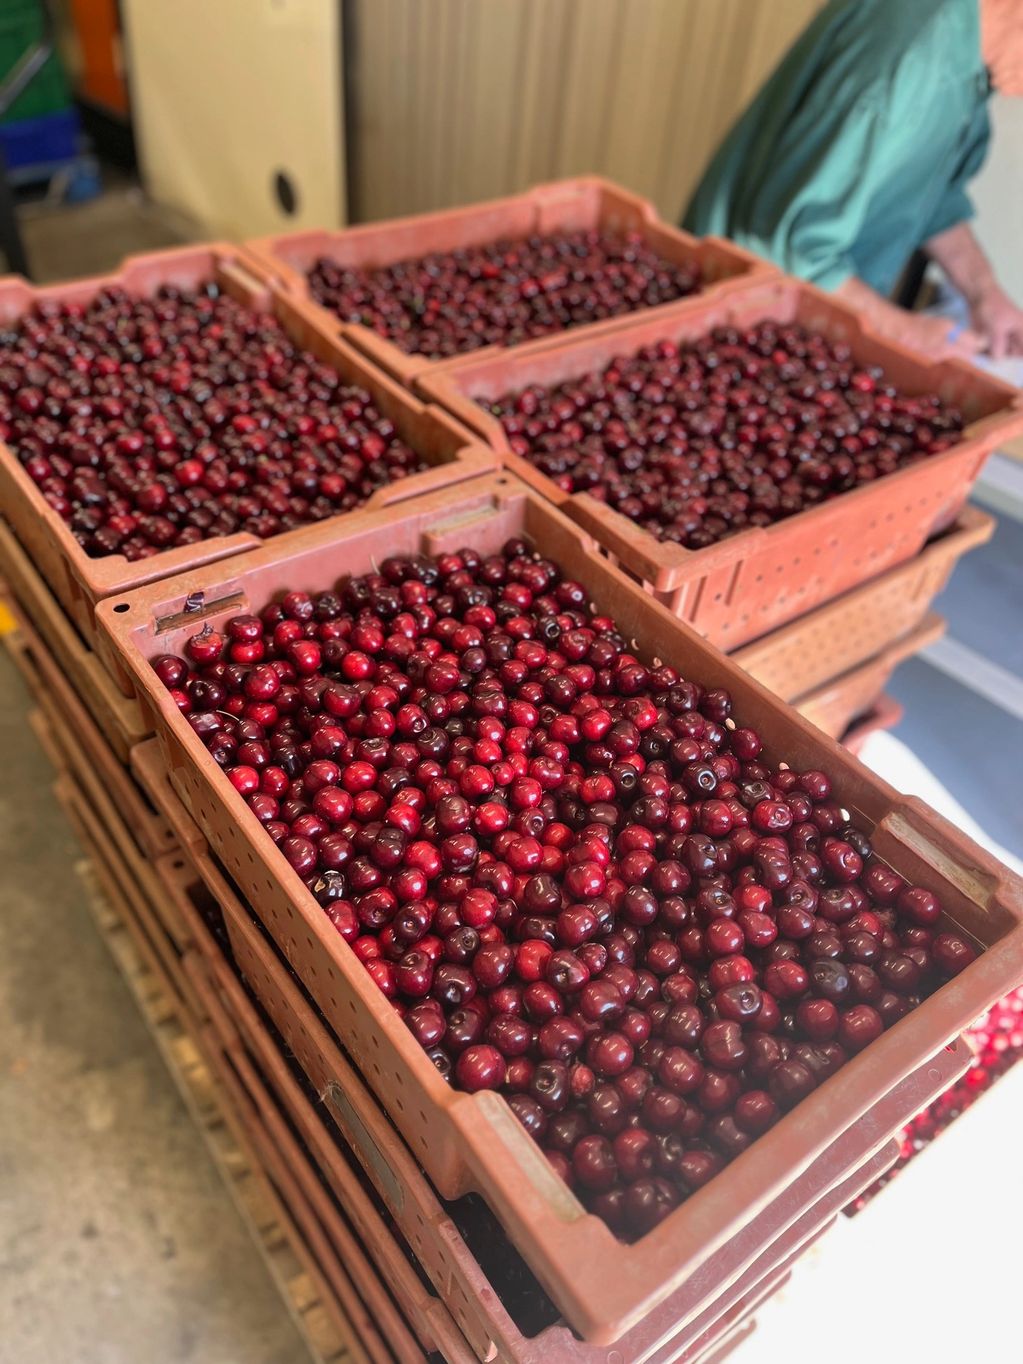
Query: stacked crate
{"points": [[852, 580], [425, 1220]]}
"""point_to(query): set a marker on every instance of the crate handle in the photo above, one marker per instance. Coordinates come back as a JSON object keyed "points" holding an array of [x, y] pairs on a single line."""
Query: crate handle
{"points": [[196, 608], [438, 533], [243, 285], [357, 1136], [918, 828]]}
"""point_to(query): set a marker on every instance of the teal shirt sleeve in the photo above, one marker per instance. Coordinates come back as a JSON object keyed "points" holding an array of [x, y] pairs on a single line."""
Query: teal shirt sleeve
{"points": [[956, 206]]}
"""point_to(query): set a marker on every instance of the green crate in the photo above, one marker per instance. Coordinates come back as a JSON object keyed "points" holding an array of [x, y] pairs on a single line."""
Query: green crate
{"points": [[21, 27]]}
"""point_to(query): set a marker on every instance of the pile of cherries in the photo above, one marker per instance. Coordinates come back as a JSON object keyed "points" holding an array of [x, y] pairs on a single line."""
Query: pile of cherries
{"points": [[156, 422], [575, 876], [997, 1040], [695, 442], [504, 292]]}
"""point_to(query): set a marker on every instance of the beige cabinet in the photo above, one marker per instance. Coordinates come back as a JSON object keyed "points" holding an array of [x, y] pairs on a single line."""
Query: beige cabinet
{"points": [[238, 110]]}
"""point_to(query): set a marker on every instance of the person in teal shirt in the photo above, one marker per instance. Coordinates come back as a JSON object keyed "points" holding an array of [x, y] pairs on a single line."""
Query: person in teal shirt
{"points": [[858, 151]]}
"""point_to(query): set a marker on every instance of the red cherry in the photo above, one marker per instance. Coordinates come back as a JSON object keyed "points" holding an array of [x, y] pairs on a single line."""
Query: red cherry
{"points": [[480, 1067]]}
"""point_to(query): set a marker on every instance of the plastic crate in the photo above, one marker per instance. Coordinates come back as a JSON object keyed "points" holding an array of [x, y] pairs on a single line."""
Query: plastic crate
{"points": [[354, 1292], [471, 1141], [833, 707], [40, 141], [360, 1229], [79, 581], [847, 632], [885, 714], [117, 716], [116, 881], [436, 1242], [476, 1303], [21, 28], [758, 579], [585, 202], [82, 750], [51, 749]]}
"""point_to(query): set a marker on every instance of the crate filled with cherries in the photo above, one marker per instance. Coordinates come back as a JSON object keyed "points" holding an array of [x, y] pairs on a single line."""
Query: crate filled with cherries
{"points": [[621, 943], [575, 877], [182, 410], [575, 255], [748, 458]]}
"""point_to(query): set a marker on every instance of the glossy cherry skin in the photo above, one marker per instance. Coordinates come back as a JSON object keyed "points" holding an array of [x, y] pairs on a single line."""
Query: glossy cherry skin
{"points": [[480, 1067]]}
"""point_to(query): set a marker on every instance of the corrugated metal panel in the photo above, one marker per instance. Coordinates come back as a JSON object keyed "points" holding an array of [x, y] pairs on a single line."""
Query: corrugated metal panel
{"points": [[455, 100]]}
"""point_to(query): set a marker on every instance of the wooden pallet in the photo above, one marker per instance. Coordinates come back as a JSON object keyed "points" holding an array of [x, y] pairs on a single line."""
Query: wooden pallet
{"points": [[329, 1338]]}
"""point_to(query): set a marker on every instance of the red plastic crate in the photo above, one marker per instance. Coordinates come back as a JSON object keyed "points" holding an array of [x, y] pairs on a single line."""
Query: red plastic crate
{"points": [[585, 202], [760, 578], [115, 880], [471, 1141], [80, 748], [353, 1289], [419, 1216], [849, 631], [833, 707], [354, 1227], [117, 716], [79, 581]]}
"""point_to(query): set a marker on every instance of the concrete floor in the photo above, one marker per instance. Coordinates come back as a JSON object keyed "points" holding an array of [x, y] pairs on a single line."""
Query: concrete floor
{"points": [[118, 1242], [88, 239]]}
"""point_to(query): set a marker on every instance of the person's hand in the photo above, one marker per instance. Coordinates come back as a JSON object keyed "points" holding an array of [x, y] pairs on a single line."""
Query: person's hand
{"points": [[932, 336], [935, 336], [999, 323]]}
